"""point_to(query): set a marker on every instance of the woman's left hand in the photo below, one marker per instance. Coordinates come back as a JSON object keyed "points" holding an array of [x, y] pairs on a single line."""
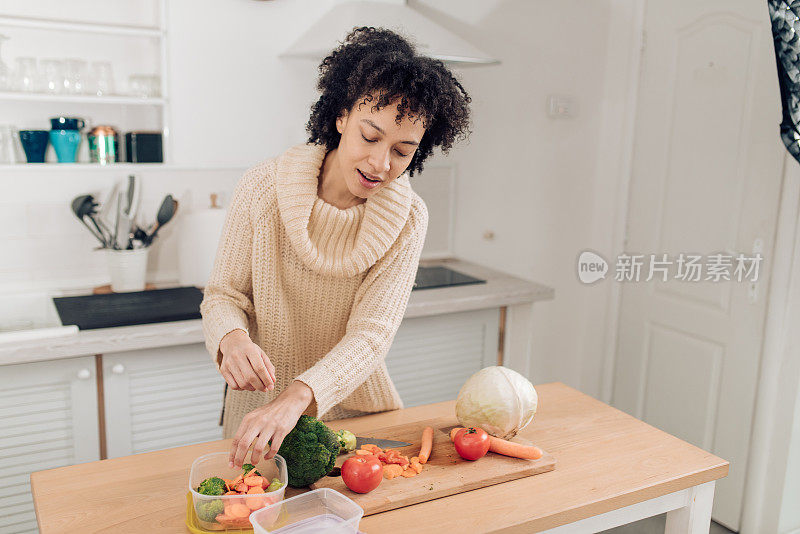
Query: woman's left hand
{"points": [[272, 421]]}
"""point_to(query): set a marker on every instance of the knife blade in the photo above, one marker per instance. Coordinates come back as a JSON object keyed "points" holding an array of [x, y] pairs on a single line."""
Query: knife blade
{"points": [[382, 443]]}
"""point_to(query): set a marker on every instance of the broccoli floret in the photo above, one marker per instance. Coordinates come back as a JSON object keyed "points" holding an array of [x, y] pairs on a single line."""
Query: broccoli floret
{"points": [[274, 485], [212, 486], [246, 468], [310, 451], [347, 439], [209, 510]]}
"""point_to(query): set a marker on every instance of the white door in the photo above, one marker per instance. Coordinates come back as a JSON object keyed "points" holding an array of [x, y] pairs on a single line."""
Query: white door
{"points": [[705, 180], [48, 419], [160, 398]]}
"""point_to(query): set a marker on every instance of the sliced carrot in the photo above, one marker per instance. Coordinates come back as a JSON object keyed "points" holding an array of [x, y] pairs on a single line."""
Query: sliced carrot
{"points": [[362, 452], [255, 489], [254, 503], [241, 487], [388, 474], [230, 521], [254, 481], [408, 473], [371, 447], [240, 510], [427, 444], [516, 450], [230, 493], [248, 473]]}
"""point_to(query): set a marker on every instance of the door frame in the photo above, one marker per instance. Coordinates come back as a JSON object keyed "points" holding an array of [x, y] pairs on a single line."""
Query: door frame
{"points": [[779, 368], [626, 42]]}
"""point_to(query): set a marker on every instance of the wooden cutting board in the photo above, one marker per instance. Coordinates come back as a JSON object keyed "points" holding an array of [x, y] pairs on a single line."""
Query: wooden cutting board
{"points": [[446, 473]]}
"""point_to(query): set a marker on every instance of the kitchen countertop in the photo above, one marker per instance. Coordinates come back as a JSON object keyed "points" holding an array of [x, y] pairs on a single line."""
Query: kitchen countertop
{"points": [[606, 460], [499, 290]]}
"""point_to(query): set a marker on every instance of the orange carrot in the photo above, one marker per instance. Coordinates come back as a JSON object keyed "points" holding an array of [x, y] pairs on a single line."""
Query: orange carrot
{"points": [[517, 450], [408, 473], [255, 489], [254, 481], [427, 444], [508, 448], [254, 503], [362, 452], [240, 510], [248, 473], [388, 474], [453, 432]]}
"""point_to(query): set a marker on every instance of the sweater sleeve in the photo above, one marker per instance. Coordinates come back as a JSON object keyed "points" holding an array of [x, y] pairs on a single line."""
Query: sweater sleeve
{"points": [[227, 298], [377, 311]]}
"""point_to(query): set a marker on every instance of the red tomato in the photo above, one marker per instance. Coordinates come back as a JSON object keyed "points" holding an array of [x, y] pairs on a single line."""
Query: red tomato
{"points": [[471, 443], [362, 473]]}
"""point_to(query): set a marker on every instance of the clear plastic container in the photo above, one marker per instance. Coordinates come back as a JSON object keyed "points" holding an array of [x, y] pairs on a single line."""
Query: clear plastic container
{"points": [[320, 510], [216, 465]]}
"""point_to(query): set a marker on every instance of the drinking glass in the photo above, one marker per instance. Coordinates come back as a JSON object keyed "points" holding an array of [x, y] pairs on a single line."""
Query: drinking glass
{"points": [[53, 76], [26, 75], [8, 144], [145, 85], [75, 77], [102, 79], [5, 72]]}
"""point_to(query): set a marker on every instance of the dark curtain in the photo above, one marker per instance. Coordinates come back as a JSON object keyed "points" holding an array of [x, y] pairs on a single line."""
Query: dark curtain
{"points": [[786, 38]]}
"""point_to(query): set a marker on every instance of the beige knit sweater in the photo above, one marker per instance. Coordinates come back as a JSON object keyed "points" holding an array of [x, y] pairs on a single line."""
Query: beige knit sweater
{"points": [[320, 289]]}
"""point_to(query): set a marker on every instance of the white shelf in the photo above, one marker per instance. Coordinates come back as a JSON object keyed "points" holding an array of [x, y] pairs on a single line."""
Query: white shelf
{"points": [[82, 99], [113, 29]]}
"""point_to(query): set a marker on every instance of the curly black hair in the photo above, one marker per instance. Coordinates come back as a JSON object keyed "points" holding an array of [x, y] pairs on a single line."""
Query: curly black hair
{"points": [[376, 60]]}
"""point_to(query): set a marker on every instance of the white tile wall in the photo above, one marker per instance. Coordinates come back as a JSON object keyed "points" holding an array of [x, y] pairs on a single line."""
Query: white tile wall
{"points": [[44, 247]]}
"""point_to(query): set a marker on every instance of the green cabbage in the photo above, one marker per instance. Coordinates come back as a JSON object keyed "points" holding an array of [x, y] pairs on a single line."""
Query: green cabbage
{"points": [[498, 400]]}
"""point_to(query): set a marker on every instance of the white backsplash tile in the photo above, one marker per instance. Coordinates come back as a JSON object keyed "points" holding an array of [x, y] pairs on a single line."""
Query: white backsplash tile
{"points": [[44, 247]]}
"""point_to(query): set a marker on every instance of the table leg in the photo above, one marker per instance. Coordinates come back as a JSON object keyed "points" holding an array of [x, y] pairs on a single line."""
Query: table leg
{"points": [[695, 517]]}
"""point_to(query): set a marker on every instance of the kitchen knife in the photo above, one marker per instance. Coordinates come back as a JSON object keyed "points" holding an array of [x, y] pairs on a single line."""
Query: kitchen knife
{"points": [[382, 443]]}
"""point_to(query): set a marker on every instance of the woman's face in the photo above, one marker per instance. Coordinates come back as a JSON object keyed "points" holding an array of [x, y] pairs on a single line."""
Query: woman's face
{"points": [[374, 147]]}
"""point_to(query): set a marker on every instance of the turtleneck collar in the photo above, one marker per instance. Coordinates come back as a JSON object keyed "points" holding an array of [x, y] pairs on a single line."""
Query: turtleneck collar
{"points": [[331, 241]]}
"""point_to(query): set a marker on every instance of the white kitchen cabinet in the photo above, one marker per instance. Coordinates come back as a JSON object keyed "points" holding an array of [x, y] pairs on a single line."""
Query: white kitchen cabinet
{"points": [[432, 357], [48, 419], [160, 398]]}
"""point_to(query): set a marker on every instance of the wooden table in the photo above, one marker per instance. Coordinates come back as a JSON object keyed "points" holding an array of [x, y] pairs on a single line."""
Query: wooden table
{"points": [[612, 469]]}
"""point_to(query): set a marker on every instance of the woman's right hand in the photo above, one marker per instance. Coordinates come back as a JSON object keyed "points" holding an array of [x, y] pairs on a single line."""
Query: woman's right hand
{"points": [[244, 365]]}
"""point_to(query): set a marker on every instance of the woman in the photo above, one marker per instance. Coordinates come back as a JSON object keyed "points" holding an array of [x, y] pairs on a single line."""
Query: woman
{"points": [[321, 246]]}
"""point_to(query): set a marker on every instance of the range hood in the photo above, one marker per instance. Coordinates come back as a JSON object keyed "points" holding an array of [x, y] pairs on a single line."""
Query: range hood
{"points": [[430, 38]]}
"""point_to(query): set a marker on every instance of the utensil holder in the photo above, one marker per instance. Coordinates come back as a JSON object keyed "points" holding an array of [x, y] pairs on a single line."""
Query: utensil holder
{"points": [[128, 269]]}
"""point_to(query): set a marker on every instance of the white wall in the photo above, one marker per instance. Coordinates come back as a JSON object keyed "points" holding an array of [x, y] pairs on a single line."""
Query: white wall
{"points": [[531, 179], [528, 178]]}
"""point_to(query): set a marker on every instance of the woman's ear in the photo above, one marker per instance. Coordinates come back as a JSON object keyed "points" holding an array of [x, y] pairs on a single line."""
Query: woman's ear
{"points": [[341, 121]]}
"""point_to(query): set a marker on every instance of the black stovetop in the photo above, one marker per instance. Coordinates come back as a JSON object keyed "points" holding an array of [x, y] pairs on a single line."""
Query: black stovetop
{"points": [[430, 277], [183, 303]]}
